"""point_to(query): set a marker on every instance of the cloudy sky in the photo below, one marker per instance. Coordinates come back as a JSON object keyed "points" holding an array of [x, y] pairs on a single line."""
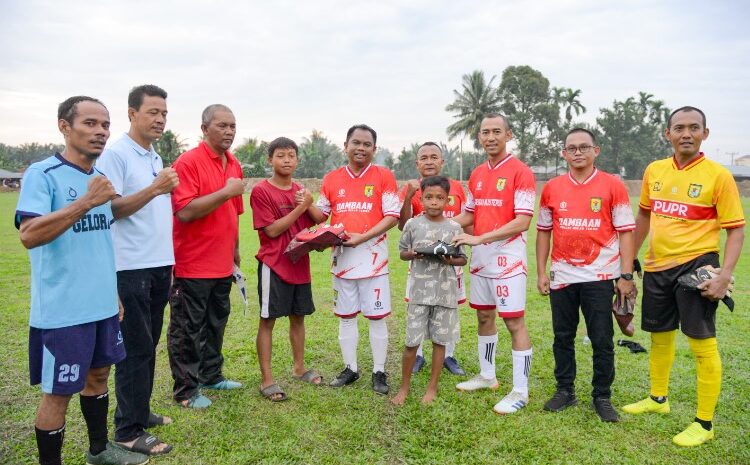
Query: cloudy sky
{"points": [[288, 67]]}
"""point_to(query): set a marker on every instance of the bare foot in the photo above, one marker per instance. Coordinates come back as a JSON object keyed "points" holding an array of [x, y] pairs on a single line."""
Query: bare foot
{"points": [[400, 398], [317, 380], [429, 396]]}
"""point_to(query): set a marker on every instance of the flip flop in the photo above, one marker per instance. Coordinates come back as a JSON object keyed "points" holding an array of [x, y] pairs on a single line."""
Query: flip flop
{"points": [[274, 389], [145, 444], [154, 419], [309, 377]]}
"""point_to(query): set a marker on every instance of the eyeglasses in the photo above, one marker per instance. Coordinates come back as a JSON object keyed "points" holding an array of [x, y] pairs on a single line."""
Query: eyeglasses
{"points": [[583, 149]]}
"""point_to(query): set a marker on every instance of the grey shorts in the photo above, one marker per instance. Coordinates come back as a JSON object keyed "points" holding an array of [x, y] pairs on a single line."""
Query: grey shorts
{"points": [[440, 324]]}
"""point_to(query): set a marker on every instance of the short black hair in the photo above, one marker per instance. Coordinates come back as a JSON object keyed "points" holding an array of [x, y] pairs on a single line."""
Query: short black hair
{"points": [[498, 115], [440, 181], [67, 109], [686, 108], [583, 130], [432, 144], [282, 143], [363, 127], [135, 97]]}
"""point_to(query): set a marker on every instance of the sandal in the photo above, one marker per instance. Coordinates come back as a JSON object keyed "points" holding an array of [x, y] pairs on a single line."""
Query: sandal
{"points": [[145, 444], [309, 377], [274, 390], [154, 419]]}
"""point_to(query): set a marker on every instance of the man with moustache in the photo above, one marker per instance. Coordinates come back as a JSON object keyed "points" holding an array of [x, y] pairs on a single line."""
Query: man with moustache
{"points": [[144, 256], [64, 216], [206, 204]]}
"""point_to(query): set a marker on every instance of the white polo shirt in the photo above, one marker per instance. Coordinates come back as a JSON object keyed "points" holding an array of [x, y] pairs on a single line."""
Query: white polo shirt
{"points": [[144, 239]]}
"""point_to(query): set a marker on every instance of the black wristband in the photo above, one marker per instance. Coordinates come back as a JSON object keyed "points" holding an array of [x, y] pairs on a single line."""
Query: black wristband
{"points": [[626, 276]]}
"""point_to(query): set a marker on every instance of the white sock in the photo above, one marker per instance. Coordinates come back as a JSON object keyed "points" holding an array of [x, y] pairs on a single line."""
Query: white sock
{"points": [[521, 369], [419, 351], [486, 351], [378, 344], [449, 348], [348, 340]]}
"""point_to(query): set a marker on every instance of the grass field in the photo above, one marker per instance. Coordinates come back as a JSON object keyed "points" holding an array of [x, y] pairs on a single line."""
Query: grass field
{"points": [[355, 426]]}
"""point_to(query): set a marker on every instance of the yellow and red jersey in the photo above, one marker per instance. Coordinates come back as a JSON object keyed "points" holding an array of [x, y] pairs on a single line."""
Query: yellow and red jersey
{"points": [[456, 200], [359, 202], [689, 206], [584, 218], [497, 195]]}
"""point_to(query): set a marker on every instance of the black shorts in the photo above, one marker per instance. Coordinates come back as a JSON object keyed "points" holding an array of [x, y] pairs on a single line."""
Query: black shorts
{"points": [[279, 298], [668, 306]]}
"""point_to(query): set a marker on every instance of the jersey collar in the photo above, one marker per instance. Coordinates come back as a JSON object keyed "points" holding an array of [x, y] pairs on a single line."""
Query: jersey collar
{"points": [[585, 181], [500, 163], [701, 156], [361, 173], [64, 161]]}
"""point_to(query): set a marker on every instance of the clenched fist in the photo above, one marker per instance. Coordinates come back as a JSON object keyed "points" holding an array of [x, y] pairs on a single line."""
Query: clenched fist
{"points": [[303, 197], [412, 188], [165, 181], [234, 187], [100, 191]]}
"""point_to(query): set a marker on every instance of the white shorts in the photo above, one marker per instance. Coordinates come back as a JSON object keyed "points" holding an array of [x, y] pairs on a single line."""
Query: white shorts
{"points": [[507, 295], [371, 296], [459, 280]]}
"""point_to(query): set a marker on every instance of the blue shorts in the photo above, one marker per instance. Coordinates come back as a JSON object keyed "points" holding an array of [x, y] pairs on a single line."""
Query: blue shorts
{"points": [[60, 358]]}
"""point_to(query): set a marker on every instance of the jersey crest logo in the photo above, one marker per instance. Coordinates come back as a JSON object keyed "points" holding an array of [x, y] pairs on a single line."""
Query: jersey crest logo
{"points": [[342, 193], [72, 193], [479, 186], [657, 186], [596, 204], [694, 191], [451, 200], [369, 190], [500, 184]]}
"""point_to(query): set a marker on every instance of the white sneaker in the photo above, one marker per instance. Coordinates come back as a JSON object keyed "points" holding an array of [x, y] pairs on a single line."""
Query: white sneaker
{"points": [[478, 382], [511, 403]]}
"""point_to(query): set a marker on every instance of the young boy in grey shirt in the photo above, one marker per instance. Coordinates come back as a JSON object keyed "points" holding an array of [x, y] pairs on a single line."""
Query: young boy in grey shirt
{"points": [[432, 312]]}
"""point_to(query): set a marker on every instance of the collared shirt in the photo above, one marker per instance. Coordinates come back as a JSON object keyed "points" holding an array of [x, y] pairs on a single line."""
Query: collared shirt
{"points": [[689, 206], [73, 278], [143, 239], [204, 248]]}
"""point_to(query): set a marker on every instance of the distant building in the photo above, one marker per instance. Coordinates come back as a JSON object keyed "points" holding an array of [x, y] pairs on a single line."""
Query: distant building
{"points": [[742, 161], [740, 173], [10, 179]]}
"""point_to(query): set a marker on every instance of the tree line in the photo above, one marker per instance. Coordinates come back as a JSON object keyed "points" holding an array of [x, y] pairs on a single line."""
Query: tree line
{"points": [[630, 132]]}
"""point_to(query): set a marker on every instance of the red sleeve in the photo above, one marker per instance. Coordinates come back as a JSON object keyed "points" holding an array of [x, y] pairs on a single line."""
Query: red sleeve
{"points": [[261, 204], [238, 202], [189, 187]]}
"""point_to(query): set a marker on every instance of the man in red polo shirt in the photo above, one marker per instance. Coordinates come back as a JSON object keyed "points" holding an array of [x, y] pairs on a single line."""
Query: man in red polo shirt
{"points": [[206, 206], [430, 163]]}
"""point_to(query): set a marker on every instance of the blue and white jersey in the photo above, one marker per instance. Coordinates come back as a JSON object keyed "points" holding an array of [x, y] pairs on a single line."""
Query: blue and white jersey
{"points": [[73, 278]]}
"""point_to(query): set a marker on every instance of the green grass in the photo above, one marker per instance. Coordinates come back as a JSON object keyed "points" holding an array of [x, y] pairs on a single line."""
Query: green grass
{"points": [[355, 426]]}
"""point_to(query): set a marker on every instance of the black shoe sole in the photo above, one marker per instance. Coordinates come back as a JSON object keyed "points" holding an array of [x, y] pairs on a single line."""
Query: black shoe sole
{"points": [[563, 407]]}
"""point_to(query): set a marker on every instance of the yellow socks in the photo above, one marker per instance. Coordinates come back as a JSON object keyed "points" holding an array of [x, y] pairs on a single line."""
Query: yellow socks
{"points": [[708, 367], [660, 361]]}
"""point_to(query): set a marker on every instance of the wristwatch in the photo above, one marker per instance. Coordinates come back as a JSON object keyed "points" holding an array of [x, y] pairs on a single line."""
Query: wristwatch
{"points": [[627, 276]]}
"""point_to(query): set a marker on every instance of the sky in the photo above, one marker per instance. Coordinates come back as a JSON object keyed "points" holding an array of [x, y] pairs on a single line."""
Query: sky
{"points": [[286, 68]]}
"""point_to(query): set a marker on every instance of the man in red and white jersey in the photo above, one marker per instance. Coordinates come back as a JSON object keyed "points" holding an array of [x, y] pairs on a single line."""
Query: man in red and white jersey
{"points": [[587, 214], [364, 198], [430, 163], [500, 205]]}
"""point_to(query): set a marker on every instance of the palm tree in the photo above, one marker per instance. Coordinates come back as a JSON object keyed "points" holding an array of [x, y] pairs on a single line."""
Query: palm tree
{"points": [[476, 99], [169, 146], [569, 99]]}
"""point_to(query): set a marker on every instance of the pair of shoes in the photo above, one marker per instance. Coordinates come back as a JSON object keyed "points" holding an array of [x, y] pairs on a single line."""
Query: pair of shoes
{"points": [[145, 444], [511, 403], [418, 364], [115, 455], [224, 385], [380, 382], [647, 405], [694, 435], [347, 376], [560, 400], [452, 365], [197, 401], [604, 409], [478, 382]]}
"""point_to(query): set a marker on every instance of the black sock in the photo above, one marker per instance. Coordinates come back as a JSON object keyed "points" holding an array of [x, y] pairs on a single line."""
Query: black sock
{"points": [[659, 399], [94, 410], [49, 443], [706, 424]]}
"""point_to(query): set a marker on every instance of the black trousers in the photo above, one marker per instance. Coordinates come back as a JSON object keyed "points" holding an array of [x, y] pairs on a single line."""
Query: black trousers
{"points": [[198, 316], [595, 301], [144, 294]]}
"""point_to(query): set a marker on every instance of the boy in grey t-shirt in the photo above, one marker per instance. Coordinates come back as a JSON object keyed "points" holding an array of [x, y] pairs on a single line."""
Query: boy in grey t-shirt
{"points": [[432, 311]]}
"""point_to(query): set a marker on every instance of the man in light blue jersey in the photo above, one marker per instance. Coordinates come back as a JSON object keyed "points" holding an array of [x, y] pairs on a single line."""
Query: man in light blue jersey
{"points": [[144, 257], [64, 217]]}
